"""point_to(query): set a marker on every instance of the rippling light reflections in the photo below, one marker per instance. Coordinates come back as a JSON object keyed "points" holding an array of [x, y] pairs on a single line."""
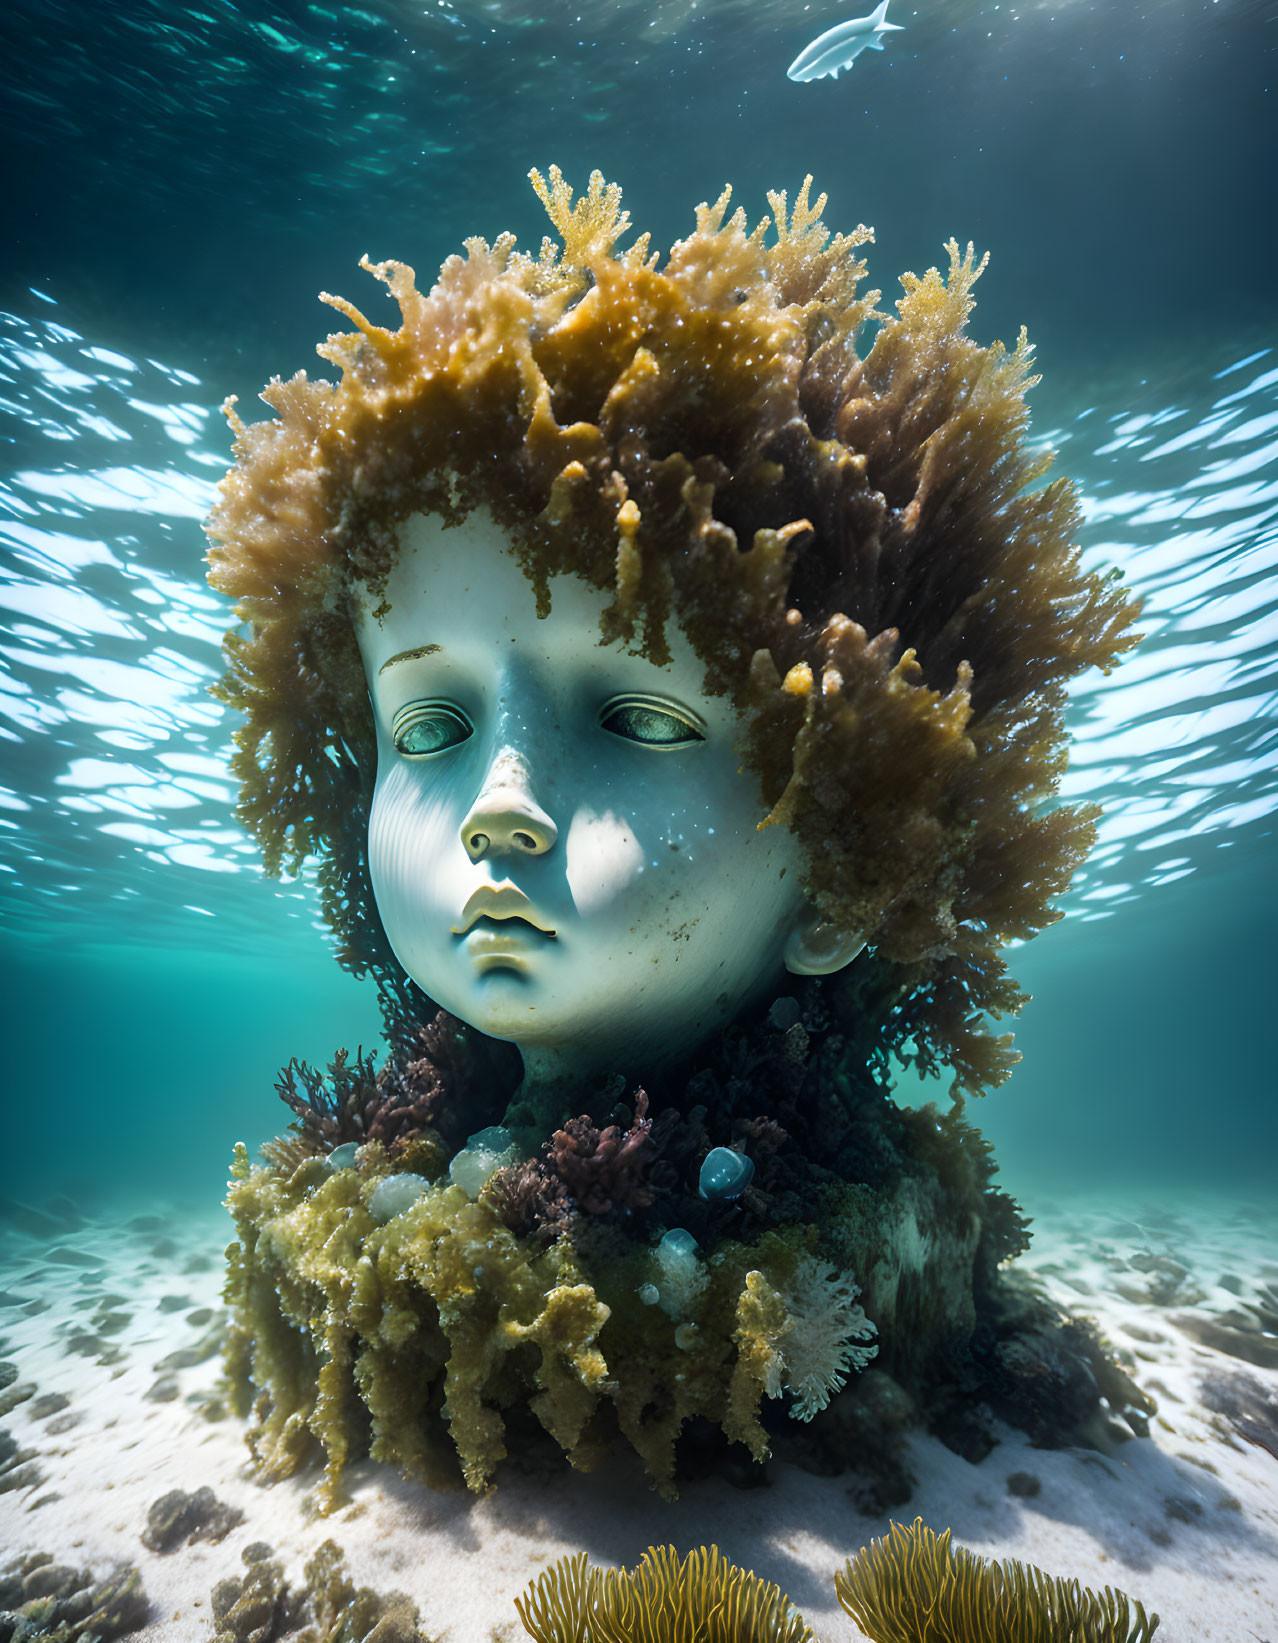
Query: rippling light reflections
{"points": [[1180, 743], [116, 779], [116, 788]]}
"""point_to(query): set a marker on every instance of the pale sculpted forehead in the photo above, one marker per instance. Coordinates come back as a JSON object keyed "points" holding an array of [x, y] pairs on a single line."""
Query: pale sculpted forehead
{"points": [[457, 603]]}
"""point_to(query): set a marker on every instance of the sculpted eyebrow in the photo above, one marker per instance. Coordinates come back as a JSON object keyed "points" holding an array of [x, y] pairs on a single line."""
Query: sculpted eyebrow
{"points": [[409, 656]]}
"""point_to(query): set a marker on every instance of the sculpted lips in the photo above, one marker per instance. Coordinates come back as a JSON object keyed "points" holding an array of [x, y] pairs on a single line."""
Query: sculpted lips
{"points": [[500, 901]]}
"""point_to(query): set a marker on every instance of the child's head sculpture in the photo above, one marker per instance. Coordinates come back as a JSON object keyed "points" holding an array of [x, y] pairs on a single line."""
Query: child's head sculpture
{"points": [[592, 569], [564, 849]]}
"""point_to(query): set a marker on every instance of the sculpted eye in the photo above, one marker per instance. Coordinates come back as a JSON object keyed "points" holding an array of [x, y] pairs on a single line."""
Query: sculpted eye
{"points": [[423, 728], [654, 724]]}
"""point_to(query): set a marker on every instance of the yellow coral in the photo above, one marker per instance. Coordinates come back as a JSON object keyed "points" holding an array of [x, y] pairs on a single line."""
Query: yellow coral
{"points": [[428, 1318], [908, 1588], [589, 230], [664, 1599], [760, 1322], [442, 1318], [913, 1587]]}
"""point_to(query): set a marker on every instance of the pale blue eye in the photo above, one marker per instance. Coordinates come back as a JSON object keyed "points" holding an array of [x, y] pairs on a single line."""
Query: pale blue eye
{"points": [[650, 723], [424, 728]]}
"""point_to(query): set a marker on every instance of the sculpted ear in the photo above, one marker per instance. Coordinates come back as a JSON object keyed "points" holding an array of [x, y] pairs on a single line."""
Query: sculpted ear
{"points": [[814, 948]]}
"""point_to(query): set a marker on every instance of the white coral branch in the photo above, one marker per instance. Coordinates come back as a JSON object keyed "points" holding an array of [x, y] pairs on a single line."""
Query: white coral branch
{"points": [[819, 1345]]}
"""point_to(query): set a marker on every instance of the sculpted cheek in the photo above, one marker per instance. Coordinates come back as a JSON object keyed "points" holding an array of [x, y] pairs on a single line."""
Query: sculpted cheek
{"points": [[603, 859], [406, 834]]}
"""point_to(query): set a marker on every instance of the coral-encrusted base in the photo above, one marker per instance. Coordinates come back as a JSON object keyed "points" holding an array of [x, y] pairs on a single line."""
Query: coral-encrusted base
{"points": [[442, 1341]]}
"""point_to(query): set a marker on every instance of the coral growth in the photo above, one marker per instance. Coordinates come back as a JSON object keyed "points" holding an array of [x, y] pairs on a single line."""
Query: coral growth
{"points": [[18, 1466], [529, 1199], [857, 544], [664, 1599], [913, 1587], [432, 1313], [261, 1606], [1244, 1408], [839, 508], [583, 1170], [330, 1111], [416, 1323], [789, 1092], [428, 1088], [910, 1587], [178, 1519], [603, 1170], [43, 1599], [820, 1342]]}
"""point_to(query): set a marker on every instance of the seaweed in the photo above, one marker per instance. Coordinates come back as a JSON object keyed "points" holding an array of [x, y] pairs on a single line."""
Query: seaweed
{"points": [[664, 1599], [914, 1587], [439, 1318], [420, 1338], [412, 1338]]}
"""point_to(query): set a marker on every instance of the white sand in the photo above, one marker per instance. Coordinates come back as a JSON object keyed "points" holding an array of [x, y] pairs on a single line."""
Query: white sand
{"points": [[1186, 1521]]}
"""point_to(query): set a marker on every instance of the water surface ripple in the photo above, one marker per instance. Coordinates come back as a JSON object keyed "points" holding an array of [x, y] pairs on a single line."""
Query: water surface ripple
{"points": [[116, 809]]}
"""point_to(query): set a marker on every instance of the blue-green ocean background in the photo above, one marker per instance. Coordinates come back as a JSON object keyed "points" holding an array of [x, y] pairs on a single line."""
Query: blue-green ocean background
{"points": [[184, 178]]}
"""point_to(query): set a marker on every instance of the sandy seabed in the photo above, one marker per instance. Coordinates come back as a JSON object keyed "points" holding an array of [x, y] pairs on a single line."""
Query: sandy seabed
{"points": [[109, 1331]]}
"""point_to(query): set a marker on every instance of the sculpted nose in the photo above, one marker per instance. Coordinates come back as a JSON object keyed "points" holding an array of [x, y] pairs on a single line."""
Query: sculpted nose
{"points": [[506, 819]]}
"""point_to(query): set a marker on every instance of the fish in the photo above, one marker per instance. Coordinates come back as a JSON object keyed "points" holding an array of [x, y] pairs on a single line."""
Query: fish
{"points": [[840, 46]]}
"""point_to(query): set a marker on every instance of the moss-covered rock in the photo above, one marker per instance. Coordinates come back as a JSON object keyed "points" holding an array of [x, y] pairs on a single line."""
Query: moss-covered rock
{"points": [[57, 1603]]}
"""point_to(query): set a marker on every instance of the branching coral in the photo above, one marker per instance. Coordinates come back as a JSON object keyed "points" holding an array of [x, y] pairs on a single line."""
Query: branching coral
{"points": [[584, 1170], [437, 1085], [528, 1200], [913, 1587], [431, 1314], [590, 230], [664, 1599], [330, 1110], [802, 1336], [821, 1340], [858, 545], [603, 1170], [839, 508], [438, 1313], [429, 1088]]}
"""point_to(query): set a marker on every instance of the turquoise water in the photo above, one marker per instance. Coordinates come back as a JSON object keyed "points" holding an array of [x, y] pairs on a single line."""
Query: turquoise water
{"points": [[186, 179]]}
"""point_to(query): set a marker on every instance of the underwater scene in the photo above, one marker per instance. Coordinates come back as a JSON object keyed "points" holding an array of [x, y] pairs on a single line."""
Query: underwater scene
{"points": [[636, 908]]}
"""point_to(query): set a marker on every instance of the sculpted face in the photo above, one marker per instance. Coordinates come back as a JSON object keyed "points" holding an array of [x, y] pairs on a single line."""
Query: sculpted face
{"points": [[564, 849]]}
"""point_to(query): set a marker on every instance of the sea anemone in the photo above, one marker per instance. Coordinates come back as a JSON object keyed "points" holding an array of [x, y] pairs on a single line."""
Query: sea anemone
{"points": [[664, 1599], [913, 1587]]}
